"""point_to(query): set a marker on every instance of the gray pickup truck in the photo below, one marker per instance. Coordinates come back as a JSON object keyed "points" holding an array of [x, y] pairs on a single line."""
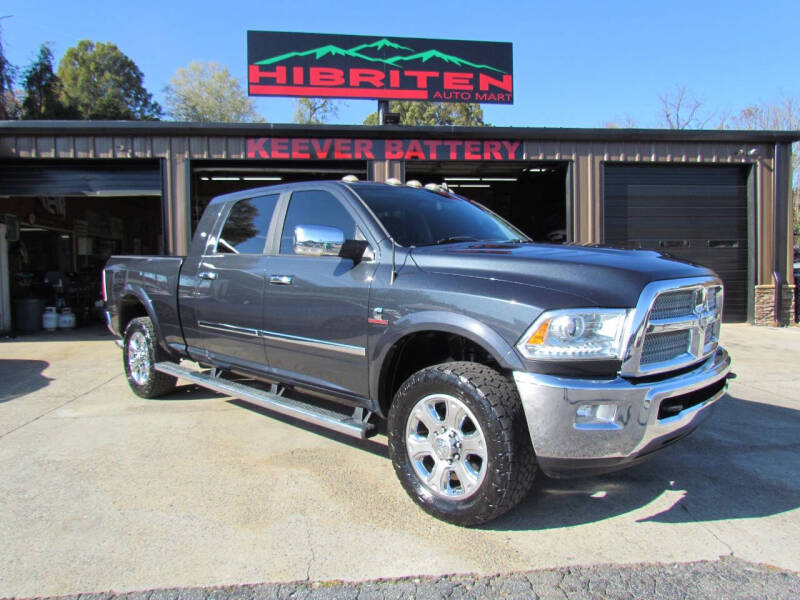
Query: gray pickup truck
{"points": [[368, 307]]}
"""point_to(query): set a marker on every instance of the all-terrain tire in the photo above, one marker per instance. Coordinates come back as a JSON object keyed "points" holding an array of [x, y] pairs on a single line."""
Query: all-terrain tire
{"points": [[140, 353], [494, 403]]}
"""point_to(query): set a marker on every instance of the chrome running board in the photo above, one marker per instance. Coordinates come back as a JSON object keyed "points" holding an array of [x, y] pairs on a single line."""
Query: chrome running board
{"points": [[280, 404]]}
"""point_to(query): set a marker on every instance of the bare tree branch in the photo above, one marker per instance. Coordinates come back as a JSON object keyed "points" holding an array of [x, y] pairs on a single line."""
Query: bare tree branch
{"points": [[680, 109]]}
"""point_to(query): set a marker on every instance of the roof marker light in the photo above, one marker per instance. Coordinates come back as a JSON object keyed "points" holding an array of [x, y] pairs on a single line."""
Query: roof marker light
{"points": [[393, 181], [413, 183], [349, 178]]}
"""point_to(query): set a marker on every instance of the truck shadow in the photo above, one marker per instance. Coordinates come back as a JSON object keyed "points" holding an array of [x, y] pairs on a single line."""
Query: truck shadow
{"points": [[742, 463], [188, 391], [368, 445], [19, 377]]}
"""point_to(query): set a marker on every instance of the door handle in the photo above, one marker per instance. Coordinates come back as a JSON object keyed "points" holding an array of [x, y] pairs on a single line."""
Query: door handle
{"points": [[281, 279], [207, 275]]}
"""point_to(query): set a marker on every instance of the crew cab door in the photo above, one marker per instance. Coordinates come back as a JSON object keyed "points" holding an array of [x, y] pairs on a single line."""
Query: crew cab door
{"points": [[316, 309], [222, 310]]}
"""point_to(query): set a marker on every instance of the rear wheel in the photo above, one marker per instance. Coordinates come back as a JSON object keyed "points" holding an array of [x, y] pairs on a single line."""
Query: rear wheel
{"points": [[140, 354], [459, 442]]}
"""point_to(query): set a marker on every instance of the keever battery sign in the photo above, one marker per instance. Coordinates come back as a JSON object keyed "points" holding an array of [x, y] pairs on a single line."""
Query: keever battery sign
{"points": [[374, 67], [375, 149]]}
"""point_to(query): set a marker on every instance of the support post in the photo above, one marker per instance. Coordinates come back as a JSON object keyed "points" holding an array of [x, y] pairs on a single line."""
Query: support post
{"points": [[383, 108]]}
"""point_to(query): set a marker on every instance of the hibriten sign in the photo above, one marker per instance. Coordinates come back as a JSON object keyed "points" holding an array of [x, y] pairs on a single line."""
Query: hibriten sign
{"points": [[357, 66], [374, 149]]}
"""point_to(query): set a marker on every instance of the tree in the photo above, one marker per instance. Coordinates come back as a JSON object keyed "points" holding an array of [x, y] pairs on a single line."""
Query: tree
{"points": [[8, 72], [207, 92], [782, 115], [434, 113], [101, 82], [42, 89], [680, 109], [626, 122], [314, 111]]}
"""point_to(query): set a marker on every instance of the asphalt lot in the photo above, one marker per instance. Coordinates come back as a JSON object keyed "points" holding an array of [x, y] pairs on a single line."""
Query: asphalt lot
{"points": [[102, 490]]}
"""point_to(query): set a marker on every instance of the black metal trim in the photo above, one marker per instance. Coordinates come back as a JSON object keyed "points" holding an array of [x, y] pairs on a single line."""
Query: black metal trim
{"points": [[159, 128]]}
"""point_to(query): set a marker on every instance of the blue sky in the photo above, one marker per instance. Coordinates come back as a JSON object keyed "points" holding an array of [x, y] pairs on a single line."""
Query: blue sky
{"points": [[576, 64]]}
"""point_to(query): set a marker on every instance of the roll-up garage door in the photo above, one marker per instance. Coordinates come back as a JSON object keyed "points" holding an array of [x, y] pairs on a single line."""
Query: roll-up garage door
{"points": [[80, 178], [694, 213]]}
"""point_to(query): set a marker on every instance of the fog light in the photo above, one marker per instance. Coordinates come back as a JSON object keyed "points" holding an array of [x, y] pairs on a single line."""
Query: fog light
{"points": [[596, 416]]}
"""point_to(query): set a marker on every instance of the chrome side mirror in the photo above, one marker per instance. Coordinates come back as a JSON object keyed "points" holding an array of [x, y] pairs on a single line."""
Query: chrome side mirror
{"points": [[318, 240]]}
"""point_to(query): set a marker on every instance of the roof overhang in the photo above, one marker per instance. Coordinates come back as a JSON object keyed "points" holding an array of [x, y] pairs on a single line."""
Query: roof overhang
{"points": [[171, 128]]}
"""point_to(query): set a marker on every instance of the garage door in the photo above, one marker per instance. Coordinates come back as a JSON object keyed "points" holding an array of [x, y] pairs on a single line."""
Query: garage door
{"points": [[80, 178], [695, 213]]}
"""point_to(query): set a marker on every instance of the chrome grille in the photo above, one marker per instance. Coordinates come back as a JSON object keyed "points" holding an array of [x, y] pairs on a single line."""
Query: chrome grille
{"points": [[675, 324], [660, 347], [673, 304]]}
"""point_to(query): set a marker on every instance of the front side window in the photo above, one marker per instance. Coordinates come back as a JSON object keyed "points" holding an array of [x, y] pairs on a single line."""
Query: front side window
{"points": [[315, 207], [245, 229]]}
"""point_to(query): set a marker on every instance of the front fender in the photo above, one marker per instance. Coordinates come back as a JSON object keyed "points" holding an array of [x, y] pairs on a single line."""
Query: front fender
{"points": [[448, 322]]}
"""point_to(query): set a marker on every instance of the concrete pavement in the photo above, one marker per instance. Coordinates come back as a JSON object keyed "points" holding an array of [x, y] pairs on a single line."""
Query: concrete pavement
{"points": [[103, 490]]}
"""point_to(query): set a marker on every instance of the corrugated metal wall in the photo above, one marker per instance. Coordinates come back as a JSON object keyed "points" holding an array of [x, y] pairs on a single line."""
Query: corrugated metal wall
{"points": [[587, 159]]}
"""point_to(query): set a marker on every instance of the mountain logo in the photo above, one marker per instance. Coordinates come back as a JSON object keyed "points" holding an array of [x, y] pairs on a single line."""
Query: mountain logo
{"points": [[397, 60]]}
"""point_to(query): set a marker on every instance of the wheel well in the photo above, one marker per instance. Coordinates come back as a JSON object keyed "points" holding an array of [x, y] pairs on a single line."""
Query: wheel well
{"points": [[130, 308], [424, 349]]}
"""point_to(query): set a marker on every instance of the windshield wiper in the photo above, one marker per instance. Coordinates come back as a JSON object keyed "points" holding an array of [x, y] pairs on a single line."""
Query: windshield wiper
{"points": [[455, 238]]}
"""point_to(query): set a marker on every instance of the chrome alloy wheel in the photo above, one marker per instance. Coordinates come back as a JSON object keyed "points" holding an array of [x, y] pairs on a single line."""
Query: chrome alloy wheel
{"points": [[138, 358], [446, 446]]}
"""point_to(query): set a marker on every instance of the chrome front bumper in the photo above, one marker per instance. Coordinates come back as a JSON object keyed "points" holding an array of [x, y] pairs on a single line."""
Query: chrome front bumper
{"points": [[569, 441]]}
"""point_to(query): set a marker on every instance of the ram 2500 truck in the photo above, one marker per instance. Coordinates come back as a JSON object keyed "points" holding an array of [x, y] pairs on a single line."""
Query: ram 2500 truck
{"points": [[366, 307]]}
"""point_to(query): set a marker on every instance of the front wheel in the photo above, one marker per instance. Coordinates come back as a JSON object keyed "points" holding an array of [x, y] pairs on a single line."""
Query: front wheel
{"points": [[140, 353], [459, 442]]}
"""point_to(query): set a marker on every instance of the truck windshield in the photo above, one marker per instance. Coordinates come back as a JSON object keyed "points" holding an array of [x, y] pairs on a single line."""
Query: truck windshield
{"points": [[419, 217]]}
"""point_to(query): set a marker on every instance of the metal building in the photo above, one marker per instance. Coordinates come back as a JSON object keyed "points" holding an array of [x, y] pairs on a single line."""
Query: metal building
{"points": [[79, 191]]}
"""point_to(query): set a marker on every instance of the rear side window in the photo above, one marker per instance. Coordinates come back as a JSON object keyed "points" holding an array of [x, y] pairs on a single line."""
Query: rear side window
{"points": [[315, 207], [245, 229]]}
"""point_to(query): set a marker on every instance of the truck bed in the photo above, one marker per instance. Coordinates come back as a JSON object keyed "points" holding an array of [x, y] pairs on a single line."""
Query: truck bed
{"points": [[153, 282]]}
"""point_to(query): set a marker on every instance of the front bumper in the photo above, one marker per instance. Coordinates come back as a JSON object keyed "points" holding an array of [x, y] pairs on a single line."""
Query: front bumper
{"points": [[567, 443]]}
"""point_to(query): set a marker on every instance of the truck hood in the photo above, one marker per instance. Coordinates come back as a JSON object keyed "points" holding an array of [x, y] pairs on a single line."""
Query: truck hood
{"points": [[607, 277]]}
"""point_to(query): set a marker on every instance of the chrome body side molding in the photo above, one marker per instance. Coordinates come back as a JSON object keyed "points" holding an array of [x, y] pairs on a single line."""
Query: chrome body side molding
{"points": [[276, 336]]}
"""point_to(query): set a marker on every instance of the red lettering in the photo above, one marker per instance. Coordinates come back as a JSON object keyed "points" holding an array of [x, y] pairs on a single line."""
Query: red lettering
{"points": [[491, 151], [394, 149], [458, 81], [363, 149], [511, 147], [422, 77], [255, 148], [472, 150], [414, 150], [453, 145], [280, 148], [371, 76], [507, 83], [394, 79], [325, 76], [300, 148], [321, 150], [342, 149], [256, 75], [297, 75], [432, 146]]}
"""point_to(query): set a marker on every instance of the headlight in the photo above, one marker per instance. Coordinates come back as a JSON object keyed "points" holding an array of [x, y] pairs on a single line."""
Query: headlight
{"points": [[591, 333]]}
